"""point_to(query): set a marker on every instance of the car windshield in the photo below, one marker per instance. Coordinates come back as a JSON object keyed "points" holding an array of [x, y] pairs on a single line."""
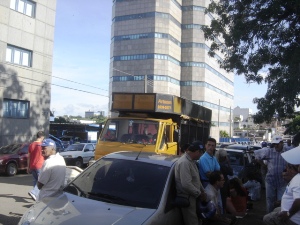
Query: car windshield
{"points": [[74, 147], [236, 158], [123, 182], [130, 131], [10, 149]]}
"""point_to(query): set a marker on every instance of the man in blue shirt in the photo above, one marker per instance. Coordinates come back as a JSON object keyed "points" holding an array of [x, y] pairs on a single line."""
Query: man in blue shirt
{"points": [[208, 162]]}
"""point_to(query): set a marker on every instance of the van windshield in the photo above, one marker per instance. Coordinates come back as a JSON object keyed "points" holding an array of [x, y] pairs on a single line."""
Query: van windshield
{"points": [[130, 131]]}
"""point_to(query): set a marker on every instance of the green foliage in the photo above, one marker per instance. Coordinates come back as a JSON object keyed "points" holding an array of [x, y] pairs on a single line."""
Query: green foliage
{"points": [[223, 133], [99, 119], [60, 119], [236, 119], [294, 126], [262, 39]]}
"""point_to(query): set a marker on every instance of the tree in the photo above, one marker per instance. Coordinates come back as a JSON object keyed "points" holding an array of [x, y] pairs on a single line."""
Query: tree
{"points": [[294, 126], [223, 133], [262, 42], [237, 119], [61, 119], [99, 119]]}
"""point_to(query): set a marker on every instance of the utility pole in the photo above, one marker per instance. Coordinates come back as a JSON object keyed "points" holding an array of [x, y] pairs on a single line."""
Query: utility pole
{"points": [[146, 81], [230, 122]]}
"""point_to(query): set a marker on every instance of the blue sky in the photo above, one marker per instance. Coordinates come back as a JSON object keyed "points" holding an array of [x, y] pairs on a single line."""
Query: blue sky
{"points": [[81, 60]]}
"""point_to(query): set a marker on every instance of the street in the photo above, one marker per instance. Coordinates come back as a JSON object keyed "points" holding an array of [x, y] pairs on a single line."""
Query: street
{"points": [[15, 201], [14, 197]]}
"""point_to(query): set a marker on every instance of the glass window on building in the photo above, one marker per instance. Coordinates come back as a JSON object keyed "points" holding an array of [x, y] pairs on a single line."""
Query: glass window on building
{"points": [[18, 56], [23, 6], [15, 108]]}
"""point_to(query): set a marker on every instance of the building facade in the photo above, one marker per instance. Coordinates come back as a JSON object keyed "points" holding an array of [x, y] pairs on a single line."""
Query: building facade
{"points": [[158, 46], [26, 52]]}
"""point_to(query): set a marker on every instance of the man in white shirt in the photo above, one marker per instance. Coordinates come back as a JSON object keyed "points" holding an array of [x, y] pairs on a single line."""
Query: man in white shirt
{"points": [[52, 177], [289, 212]]}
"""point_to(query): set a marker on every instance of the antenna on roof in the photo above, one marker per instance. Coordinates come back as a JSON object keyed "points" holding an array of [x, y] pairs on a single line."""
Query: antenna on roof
{"points": [[137, 157]]}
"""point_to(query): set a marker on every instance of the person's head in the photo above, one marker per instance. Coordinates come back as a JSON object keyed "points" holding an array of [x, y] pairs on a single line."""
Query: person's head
{"points": [[292, 157], [277, 142], [48, 147], [210, 146], [264, 144], [183, 148], [40, 135], [235, 187], [289, 172], [216, 179], [221, 155], [194, 151]]}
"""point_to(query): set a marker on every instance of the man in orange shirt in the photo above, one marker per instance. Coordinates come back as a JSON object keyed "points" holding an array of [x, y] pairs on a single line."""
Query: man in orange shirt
{"points": [[35, 159]]}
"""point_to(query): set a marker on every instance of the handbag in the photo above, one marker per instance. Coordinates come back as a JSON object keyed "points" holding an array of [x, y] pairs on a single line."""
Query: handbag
{"points": [[182, 202], [206, 210]]}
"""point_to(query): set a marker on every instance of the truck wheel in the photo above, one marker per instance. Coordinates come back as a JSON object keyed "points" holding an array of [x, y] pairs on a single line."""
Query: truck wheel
{"points": [[11, 169], [79, 162]]}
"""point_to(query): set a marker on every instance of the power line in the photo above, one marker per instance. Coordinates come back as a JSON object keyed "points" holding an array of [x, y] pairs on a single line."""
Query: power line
{"points": [[54, 85], [46, 74]]}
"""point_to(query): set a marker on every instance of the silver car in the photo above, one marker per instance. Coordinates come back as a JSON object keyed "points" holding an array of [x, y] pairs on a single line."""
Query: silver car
{"points": [[120, 188]]}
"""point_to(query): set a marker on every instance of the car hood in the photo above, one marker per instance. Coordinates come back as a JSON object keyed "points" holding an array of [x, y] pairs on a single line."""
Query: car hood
{"points": [[68, 209]]}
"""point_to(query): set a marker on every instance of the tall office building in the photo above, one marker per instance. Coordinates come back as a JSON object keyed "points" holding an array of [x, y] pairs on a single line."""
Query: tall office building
{"points": [[161, 41], [26, 51]]}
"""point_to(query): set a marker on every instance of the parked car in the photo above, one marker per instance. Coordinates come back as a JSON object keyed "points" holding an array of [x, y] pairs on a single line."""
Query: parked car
{"points": [[242, 163], [244, 147], [78, 154], [68, 140], [13, 158], [121, 188], [223, 145]]}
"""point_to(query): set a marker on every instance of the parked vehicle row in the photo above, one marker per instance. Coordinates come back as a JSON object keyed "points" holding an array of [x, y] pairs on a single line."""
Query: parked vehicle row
{"points": [[13, 157]]}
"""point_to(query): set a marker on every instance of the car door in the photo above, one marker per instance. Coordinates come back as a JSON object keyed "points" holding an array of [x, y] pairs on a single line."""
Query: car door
{"points": [[23, 155], [88, 153]]}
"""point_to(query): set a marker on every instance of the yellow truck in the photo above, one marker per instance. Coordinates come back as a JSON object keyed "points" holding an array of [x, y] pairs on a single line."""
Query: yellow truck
{"points": [[152, 122]]}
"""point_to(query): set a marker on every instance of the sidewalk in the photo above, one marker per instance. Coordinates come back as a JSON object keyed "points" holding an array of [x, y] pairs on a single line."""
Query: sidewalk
{"points": [[255, 215]]}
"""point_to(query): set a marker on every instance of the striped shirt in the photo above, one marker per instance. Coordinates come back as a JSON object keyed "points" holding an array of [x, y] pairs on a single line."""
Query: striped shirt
{"points": [[276, 164]]}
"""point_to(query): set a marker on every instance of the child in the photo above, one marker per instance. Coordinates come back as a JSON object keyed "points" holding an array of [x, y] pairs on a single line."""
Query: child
{"points": [[236, 204], [253, 187]]}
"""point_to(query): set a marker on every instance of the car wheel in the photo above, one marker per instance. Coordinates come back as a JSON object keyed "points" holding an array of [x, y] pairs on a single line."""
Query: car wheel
{"points": [[11, 169], [79, 162]]}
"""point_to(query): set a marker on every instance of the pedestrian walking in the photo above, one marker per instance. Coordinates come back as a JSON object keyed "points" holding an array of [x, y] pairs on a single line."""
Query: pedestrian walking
{"points": [[35, 160]]}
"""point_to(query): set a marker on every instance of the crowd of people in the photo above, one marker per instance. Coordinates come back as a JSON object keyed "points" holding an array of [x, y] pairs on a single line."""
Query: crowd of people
{"points": [[205, 178]]}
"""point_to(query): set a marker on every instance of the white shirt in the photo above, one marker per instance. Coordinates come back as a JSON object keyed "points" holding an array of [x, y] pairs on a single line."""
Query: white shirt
{"points": [[52, 175], [291, 193]]}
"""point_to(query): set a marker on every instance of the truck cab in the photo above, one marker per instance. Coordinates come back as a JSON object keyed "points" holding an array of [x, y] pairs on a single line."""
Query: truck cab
{"points": [[153, 122]]}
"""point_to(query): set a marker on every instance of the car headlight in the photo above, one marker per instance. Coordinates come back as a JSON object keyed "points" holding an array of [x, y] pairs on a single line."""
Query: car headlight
{"points": [[28, 217], [68, 156]]}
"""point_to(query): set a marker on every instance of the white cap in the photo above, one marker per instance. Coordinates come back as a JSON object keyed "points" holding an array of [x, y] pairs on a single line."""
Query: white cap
{"points": [[276, 139], [292, 156]]}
